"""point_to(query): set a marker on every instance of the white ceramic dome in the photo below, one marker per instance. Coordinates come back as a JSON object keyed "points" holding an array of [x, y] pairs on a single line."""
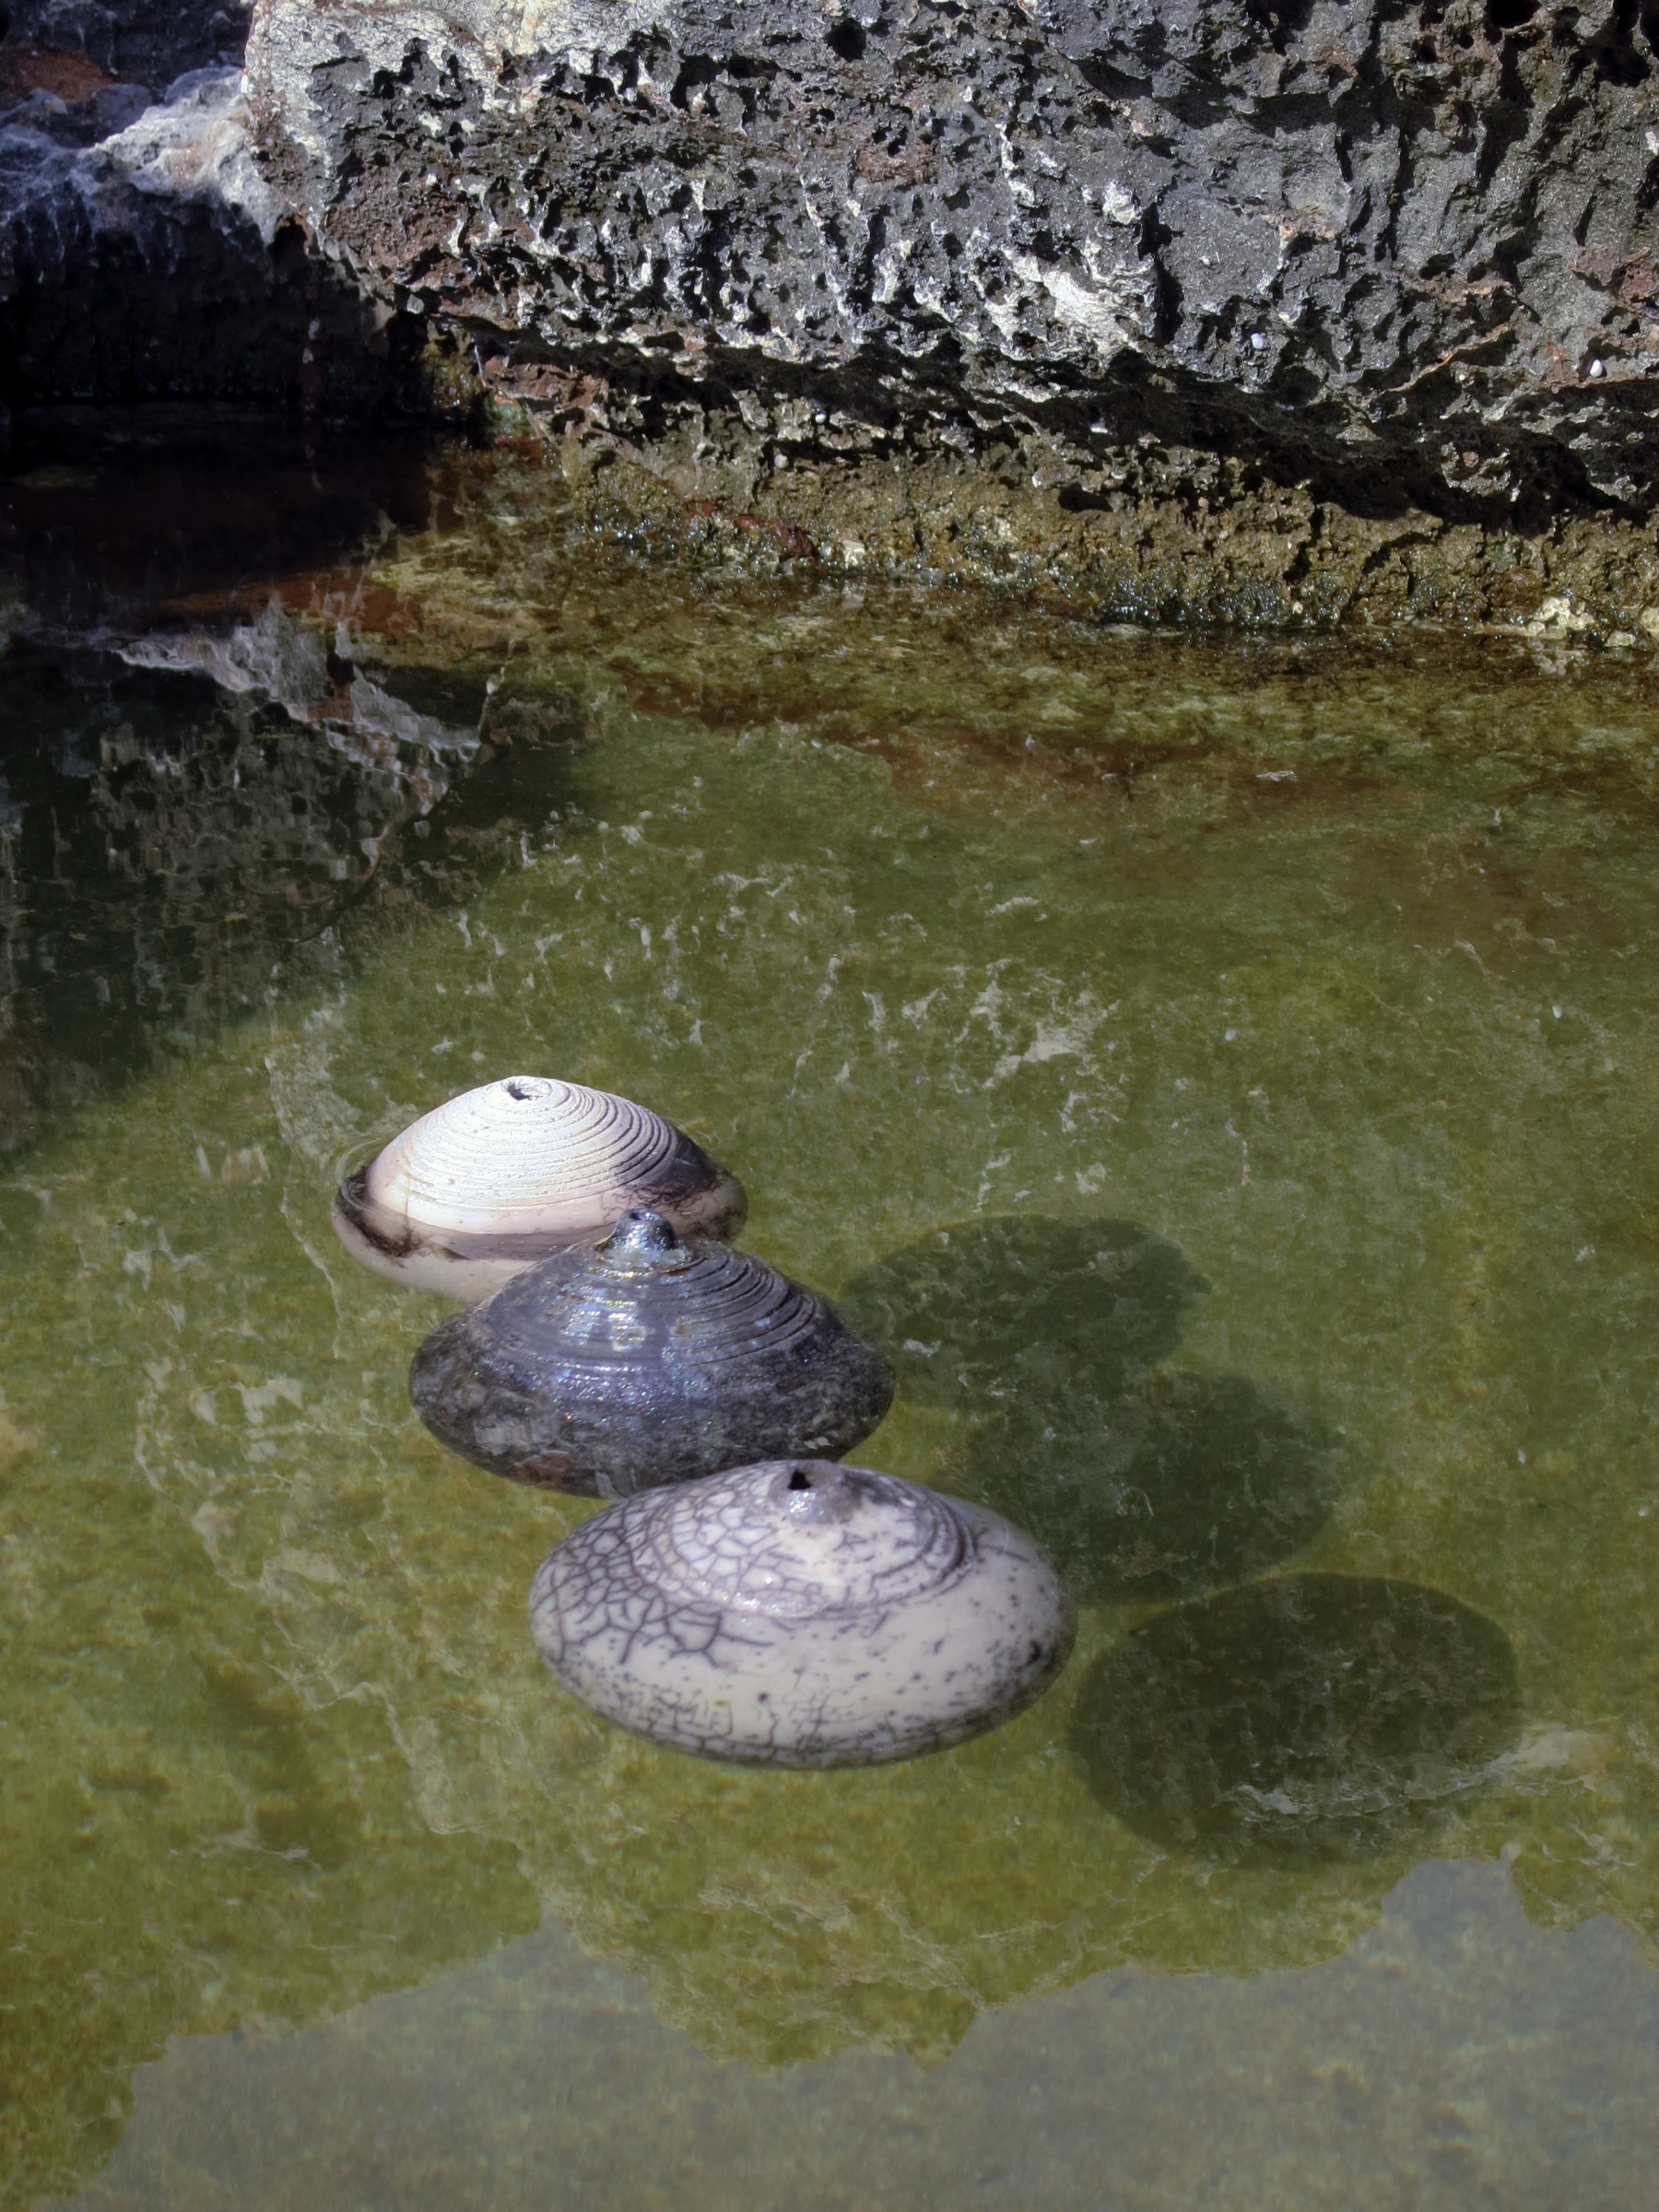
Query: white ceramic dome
{"points": [[501, 1176], [801, 1613]]}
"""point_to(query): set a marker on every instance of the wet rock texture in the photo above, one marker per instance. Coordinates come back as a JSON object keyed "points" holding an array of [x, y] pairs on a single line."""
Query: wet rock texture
{"points": [[142, 254], [178, 814], [1403, 252]]}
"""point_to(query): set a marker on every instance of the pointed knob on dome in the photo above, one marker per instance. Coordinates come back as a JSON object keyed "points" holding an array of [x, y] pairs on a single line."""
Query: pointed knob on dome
{"points": [[643, 1238]]}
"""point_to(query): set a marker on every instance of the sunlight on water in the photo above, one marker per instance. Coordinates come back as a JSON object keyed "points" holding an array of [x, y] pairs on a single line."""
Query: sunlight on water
{"points": [[1221, 1081]]}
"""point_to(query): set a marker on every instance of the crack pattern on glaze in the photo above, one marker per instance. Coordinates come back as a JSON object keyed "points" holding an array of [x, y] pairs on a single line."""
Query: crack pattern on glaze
{"points": [[643, 1360], [819, 1552], [804, 1614]]}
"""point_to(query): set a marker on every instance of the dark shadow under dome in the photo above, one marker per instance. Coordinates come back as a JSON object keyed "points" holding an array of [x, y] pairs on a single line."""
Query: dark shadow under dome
{"points": [[1309, 1718]]}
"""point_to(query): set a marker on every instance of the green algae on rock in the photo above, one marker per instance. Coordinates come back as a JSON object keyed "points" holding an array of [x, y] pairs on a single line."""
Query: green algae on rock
{"points": [[1153, 532]]}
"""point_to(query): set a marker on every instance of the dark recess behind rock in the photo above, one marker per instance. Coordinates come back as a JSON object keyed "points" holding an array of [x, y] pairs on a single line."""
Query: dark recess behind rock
{"points": [[147, 43], [141, 255]]}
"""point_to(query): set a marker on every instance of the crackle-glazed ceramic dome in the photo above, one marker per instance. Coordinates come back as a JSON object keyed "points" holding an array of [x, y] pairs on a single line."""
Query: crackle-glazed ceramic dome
{"points": [[801, 1613]]}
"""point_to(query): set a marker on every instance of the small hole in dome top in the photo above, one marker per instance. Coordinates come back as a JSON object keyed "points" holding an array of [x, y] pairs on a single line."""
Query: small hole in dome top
{"points": [[517, 1089], [800, 1479]]}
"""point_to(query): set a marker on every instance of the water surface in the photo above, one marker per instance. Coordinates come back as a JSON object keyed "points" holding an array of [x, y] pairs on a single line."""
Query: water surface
{"points": [[1219, 1070]]}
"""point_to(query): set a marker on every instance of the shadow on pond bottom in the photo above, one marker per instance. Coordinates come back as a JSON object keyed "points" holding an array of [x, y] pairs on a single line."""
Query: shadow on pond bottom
{"points": [[1141, 1484], [1313, 1717]]}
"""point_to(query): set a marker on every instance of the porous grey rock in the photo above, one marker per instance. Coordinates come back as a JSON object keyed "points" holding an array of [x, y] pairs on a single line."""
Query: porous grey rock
{"points": [[801, 1614], [1404, 249]]}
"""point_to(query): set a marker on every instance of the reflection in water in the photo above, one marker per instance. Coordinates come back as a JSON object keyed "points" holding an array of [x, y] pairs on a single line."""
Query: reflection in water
{"points": [[162, 842], [109, 515], [176, 817], [1021, 1308], [1183, 1483], [1455, 2056], [1313, 1718], [190, 787]]}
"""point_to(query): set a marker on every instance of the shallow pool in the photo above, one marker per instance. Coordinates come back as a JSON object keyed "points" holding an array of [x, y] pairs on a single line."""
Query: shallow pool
{"points": [[1219, 1070]]}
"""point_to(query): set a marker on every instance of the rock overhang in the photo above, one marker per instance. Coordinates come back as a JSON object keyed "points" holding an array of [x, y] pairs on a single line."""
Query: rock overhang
{"points": [[1353, 237]]}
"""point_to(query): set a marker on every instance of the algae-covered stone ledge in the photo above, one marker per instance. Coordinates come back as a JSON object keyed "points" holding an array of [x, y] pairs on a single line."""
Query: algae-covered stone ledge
{"points": [[1379, 261]]}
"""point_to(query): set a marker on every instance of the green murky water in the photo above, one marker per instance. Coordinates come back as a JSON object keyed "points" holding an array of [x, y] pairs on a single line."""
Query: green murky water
{"points": [[1222, 1074]]}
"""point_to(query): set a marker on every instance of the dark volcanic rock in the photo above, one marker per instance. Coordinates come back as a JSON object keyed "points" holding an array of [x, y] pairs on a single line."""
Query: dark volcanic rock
{"points": [[1405, 251]]}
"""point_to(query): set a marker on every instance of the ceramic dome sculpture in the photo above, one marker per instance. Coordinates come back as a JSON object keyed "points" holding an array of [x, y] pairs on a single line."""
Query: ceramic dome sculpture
{"points": [[500, 1177], [801, 1613], [648, 1358]]}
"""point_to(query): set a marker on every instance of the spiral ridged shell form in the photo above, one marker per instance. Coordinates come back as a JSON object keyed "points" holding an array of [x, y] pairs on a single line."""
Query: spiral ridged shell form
{"points": [[501, 1176], [642, 1360], [802, 1614]]}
